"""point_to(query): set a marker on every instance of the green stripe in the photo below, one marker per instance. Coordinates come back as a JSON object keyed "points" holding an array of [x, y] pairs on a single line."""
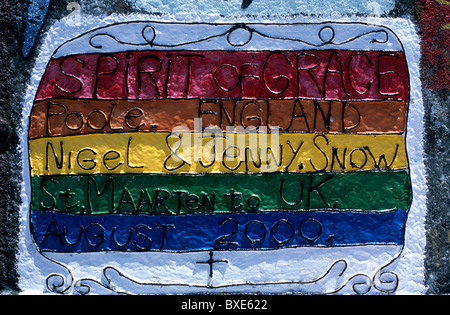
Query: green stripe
{"points": [[221, 193]]}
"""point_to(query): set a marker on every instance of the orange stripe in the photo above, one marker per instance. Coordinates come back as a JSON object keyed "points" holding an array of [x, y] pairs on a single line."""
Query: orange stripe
{"points": [[61, 117]]}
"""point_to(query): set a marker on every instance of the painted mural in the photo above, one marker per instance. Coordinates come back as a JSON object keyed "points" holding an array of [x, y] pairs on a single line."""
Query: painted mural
{"points": [[240, 142], [107, 145]]}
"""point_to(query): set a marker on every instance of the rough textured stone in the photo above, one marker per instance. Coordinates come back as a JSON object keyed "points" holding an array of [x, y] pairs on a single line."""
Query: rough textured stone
{"points": [[437, 261]]}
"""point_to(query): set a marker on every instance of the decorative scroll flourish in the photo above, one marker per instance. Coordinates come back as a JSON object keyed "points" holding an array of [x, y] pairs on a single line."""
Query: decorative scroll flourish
{"points": [[383, 281], [386, 281], [326, 35], [58, 283]]}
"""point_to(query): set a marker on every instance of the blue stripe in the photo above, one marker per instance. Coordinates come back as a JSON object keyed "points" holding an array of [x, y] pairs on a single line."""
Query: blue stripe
{"points": [[246, 231]]}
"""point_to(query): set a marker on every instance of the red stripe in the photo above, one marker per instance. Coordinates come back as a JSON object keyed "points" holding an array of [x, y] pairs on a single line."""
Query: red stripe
{"points": [[330, 74]]}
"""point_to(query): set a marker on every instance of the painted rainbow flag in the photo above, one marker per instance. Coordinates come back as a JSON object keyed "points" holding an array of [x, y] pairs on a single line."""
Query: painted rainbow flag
{"points": [[151, 136]]}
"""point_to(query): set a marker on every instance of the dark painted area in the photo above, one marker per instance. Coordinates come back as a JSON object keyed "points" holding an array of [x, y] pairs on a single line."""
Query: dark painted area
{"points": [[14, 75], [433, 19], [437, 126], [11, 88]]}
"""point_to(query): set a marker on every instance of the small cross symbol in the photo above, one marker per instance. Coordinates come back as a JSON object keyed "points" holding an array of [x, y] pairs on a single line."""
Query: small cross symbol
{"points": [[211, 263], [246, 3]]}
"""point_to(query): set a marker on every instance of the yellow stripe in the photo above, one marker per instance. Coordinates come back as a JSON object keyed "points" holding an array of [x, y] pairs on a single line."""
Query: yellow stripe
{"points": [[224, 153]]}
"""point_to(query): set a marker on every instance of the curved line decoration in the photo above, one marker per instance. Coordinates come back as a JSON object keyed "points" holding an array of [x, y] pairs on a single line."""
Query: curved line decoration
{"points": [[358, 283], [153, 34], [151, 43]]}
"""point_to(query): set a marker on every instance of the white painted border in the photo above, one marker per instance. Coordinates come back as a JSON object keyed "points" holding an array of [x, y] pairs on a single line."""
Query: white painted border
{"points": [[152, 35], [267, 7], [34, 269]]}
